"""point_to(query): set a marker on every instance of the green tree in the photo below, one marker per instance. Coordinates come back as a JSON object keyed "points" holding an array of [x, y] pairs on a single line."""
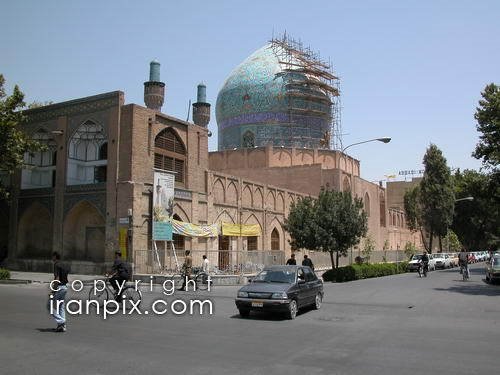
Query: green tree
{"points": [[413, 212], [332, 223], [488, 124], [452, 242], [368, 248], [13, 142], [437, 196], [477, 222], [410, 249]]}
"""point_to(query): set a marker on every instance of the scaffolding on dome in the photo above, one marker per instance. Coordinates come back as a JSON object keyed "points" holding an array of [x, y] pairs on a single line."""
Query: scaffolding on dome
{"points": [[312, 92]]}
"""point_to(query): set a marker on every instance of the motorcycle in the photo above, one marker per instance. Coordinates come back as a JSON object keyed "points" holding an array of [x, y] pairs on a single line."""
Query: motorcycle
{"points": [[423, 268]]}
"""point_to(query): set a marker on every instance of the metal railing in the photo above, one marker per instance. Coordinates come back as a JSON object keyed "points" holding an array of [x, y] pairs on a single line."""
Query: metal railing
{"points": [[221, 262], [235, 262]]}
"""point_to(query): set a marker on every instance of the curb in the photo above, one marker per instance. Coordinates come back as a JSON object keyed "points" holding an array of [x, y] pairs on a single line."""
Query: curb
{"points": [[15, 281]]}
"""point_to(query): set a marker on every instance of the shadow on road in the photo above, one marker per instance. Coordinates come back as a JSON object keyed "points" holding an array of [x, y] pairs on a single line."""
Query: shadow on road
{"points": [[45, 330], [473, 289]]}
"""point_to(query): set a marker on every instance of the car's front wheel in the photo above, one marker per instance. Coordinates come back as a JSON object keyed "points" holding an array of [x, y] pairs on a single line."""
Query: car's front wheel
{"points": [[292, 309], [317, 301], [244, 313]]}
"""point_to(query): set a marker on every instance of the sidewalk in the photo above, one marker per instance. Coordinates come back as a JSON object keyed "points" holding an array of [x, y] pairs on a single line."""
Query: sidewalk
{"points": [[17, 277]]}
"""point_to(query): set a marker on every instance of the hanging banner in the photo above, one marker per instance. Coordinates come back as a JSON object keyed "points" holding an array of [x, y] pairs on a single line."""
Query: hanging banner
{"points": [[163, 205], [123, 232], [237, 230], [195, 230]]}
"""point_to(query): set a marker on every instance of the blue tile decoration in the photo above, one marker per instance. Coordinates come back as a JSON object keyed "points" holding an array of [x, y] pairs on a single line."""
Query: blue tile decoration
{"points": [[257, 97]]}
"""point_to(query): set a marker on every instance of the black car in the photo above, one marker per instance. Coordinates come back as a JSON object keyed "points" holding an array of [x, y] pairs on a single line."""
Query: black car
{"points": [[281, 289]]}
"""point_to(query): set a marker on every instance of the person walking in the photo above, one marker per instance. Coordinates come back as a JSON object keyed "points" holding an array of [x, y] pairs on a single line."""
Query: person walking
{"points": [[187, 267], [59, 288], [291, 261], [308, 262], [205, 265]]}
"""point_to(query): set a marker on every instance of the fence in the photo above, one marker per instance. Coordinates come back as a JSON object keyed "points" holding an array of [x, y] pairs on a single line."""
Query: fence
{"points": [[223, 262], [232, 262]]}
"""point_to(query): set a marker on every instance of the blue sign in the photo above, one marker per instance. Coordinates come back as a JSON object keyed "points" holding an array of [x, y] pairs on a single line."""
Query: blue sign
{"points": [[162, 231]]}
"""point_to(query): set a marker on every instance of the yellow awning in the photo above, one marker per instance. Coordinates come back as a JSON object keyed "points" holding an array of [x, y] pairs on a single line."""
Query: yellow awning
{"points": [[237, 230]]}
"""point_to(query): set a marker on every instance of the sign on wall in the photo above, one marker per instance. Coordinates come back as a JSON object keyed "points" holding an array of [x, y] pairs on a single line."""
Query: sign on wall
{"points": [[163, 206]]}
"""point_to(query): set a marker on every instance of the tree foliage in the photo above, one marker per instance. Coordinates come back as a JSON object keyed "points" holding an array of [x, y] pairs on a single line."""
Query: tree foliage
{"points": [[437, 196], [413, 210], [13, 142], [332, 223], [488, 124], [477, 222]]}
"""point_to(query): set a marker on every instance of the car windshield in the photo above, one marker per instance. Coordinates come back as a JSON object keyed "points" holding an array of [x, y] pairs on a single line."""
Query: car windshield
{"points": [[416, 257], [276, 276], [496, 261]]}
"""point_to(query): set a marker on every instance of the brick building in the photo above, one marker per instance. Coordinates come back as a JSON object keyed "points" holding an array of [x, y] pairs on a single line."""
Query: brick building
{"points": [[90, 193]]}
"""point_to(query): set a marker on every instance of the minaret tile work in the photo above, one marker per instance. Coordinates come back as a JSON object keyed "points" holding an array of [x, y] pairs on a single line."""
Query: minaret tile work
{"points": [[201, 109], [154, 89]]}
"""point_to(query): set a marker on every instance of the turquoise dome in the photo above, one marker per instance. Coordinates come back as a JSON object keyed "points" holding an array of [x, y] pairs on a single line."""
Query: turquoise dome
{"points": [[262, 102]]}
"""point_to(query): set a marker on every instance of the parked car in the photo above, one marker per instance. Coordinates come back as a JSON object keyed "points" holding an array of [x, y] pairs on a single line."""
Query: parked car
{"points": [[453, 259], [281, 289], [442, 260], [414, 262], [493, 268]]}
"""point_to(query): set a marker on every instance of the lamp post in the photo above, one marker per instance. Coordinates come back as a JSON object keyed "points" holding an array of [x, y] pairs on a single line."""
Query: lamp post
{"points": [[382, 139]]}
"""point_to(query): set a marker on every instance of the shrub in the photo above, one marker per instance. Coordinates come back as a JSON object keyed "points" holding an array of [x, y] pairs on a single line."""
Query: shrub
{"points": [[364, 271], [4, 274]]}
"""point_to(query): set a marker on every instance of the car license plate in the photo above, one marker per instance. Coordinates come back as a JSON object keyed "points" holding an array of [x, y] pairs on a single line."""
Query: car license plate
{"points": [[257, 304]]}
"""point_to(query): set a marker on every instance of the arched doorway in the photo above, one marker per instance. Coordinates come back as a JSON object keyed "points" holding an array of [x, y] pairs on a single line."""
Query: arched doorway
{"points": [[34, 233], [84, 233], [170, 154]]}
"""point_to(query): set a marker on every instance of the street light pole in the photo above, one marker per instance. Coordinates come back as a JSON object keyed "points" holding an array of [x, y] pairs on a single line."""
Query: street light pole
{"points": [[382, 139]]}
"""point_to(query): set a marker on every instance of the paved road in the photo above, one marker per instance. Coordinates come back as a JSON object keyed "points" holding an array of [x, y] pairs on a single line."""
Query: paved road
{"points": [[392, 325]]}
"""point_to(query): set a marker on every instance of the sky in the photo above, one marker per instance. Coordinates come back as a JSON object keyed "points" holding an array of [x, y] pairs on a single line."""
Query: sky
{"points": [[409, 70]]}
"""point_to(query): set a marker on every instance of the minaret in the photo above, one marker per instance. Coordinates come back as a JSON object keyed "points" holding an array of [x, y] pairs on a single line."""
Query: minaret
{"points": [[201, 109], [154, 90]]}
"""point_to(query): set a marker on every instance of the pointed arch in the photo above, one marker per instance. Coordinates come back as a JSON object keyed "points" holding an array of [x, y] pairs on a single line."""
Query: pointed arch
{"points": [[84, 233], [224, 216], [181, 213], [248, 139], [34, 232], [170, 153], [280, 203], [258, 201], [179, 240], [232, 193], [367, 204], [218, 191], [271, 200], [246, 196], [275, 240], [86, 164]]}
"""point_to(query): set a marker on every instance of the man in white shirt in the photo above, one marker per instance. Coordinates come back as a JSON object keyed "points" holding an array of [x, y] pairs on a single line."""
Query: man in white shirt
{"points": [[206, 264]]}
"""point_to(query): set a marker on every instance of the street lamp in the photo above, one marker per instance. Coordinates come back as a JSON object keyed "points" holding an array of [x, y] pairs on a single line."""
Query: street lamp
{"points": [[382, 139], [464, 199]]}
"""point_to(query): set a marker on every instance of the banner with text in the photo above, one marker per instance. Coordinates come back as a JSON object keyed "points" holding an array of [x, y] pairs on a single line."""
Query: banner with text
{"points": [[163, 205]]}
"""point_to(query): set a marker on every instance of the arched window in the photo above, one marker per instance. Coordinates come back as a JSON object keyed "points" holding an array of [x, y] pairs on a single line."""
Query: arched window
{"points": [[170, 153], [381, 198], [87, 155], [367, 204], [40, 166], [248, 139], [275, 240]]}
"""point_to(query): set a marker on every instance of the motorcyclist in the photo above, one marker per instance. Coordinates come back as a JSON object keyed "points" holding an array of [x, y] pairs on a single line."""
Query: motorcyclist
{"points": [[424, 264]]}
